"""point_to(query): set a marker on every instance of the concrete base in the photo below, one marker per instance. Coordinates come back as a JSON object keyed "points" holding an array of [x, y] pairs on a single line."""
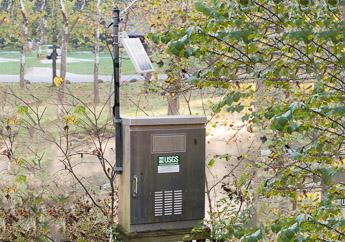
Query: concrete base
{"points": [[165, 235], [187, 225]]}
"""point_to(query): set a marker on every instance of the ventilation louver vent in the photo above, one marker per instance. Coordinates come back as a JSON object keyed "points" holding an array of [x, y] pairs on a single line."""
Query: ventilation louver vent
{"points": [[177, 202], [168, 203], [158, 203]]}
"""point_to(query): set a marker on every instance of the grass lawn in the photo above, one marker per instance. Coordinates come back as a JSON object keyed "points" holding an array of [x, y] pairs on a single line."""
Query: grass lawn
{"points": [[12, 68], [134, 101]]}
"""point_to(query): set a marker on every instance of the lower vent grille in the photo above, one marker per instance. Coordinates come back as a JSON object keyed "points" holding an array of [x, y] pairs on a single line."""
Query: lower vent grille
{"points": [[167, 203]]}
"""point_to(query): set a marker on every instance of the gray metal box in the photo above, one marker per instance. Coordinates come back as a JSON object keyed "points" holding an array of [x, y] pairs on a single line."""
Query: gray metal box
{"points": [[163, 179]]}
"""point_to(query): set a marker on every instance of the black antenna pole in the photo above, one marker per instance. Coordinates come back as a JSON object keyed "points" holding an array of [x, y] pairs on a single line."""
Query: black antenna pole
{"points": [[116, 108]]}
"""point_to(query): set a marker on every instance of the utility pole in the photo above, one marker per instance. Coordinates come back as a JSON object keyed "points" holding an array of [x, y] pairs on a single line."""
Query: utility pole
{"points": [[116, 108]]}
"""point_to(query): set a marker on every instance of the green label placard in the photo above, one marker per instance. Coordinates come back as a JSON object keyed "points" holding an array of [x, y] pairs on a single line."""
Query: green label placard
{"points": [[168, 164]]}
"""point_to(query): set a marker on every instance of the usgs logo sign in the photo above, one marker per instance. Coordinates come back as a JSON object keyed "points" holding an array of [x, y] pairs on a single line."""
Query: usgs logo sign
{"points": [[168, 160]]}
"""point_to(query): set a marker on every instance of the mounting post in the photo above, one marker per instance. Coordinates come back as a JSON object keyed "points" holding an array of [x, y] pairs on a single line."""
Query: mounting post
{"points": [[116, 108]]}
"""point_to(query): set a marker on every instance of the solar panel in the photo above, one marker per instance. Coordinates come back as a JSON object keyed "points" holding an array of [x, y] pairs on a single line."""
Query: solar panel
{"points": [[137, 54]]}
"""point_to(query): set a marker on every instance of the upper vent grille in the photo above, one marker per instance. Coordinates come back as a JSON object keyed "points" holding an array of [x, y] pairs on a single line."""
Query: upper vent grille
{"points": [[167, 143]]}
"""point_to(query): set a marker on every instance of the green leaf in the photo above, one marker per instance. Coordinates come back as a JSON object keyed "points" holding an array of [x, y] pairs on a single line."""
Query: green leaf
{"points": [[237, 108], [229, 100], [236, 96], [245, 117], [188, 52], [300, 218], [165, 39], [154, 37], [201, 7], [176, 47], [21, 179], [254, 237], [45, 226], [238, 233], [279, 123], [242, 35], [293, 128], [80, 110], [340, 110], [291, 231], [268, 115], [22, 109], [190, 31], [211, 163], [276, 227], [328, 174], [287, 115]]}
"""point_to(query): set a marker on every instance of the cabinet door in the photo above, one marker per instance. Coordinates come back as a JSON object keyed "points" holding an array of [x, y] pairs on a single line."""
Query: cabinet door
{"points": [[167, 183]]}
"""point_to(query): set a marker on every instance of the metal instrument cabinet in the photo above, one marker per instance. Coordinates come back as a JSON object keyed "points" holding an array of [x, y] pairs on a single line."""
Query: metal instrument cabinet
{"points": [[163, 179]]}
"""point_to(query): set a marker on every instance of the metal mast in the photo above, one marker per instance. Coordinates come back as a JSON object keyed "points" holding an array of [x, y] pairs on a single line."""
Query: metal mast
{"points": [[116, 108]]}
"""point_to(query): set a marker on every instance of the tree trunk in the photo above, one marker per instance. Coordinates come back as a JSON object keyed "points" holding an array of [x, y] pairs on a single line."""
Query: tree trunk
{"points": [[173, 104], [24, 43], [63, 66], [54, 41], [22, 67], [43, 35], [54, 57], [96, 64], [44, 29], [260, 93], [174, 98]]}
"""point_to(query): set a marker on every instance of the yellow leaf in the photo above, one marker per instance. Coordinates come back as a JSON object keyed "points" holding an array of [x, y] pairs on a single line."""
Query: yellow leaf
{"points": [[11, 121], [289, 54], [70, 119], [155, 76], [10, 189], [58, 81]]}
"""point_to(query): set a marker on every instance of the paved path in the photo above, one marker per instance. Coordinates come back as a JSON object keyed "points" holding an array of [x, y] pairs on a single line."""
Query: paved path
{"points": [[44, 75]]}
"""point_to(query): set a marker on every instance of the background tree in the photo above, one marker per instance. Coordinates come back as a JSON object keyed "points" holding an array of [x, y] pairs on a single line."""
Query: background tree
{"points": [[294, 51], [162, 16], [97, 50], [75, 6], [9, 25], [24, 41], [64, 44]]}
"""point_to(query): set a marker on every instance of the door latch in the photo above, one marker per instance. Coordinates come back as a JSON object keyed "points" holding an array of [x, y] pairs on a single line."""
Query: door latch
{"points": [[135, 187]]}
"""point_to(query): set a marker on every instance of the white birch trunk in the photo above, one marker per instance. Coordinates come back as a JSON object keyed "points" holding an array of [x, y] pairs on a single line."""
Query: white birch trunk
{"points": [[63, 66], [96, 64], [255, 155], [24, 39]]}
